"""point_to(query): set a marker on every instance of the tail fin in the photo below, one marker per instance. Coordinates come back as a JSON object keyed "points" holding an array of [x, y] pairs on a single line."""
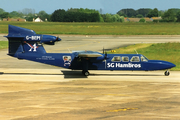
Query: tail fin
{"points": [[33, 47], [17, 43]]}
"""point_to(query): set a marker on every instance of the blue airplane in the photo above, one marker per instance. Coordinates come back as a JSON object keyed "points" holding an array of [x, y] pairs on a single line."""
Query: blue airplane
{"points": [[26, 44]]}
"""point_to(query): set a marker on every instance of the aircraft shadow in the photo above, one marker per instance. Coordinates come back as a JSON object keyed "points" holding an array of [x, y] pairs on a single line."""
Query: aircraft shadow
{"points": [[1, 73], [78, 74], [73, 74], [67, 74], [125, 75]]}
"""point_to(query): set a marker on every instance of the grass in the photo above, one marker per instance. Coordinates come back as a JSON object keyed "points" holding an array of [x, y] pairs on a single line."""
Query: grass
{"points": [[3, 44], [161, 51], [96, 28]]}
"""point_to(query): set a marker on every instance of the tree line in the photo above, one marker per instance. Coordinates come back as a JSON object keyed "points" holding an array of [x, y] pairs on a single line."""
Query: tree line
{"points": [[75, 15], [170, 15], [84, 15], [91, 15], [26, 13], [140, 13]]}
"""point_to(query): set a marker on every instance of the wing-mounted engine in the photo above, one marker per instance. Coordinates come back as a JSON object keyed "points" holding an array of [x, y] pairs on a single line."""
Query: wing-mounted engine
{"points": [[85, 58]]}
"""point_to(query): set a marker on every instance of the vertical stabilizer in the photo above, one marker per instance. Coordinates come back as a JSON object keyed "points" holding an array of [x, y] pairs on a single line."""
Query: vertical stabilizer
{"points": [[18, 43]]}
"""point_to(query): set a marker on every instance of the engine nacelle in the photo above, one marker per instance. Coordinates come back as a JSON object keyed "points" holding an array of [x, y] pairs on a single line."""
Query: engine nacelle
{"points": [[47, 39]]}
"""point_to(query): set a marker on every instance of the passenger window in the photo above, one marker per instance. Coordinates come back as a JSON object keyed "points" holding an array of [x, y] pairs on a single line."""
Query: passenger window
{"points": [[116, 59], [135, 59], [125, 59]]}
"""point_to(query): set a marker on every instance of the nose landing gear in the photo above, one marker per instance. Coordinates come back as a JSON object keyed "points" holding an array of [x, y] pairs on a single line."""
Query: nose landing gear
{"points": [[166, 73]]}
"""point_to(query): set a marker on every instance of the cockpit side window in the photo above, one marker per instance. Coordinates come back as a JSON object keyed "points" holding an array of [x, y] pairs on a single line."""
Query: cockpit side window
{"points": [[135, 59], [144, 59], [125, 59], [116, 59]]}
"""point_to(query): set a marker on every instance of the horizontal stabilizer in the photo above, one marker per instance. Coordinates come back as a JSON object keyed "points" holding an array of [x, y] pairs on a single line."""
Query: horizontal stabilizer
{"points": [[22, 40], [23, 34]]}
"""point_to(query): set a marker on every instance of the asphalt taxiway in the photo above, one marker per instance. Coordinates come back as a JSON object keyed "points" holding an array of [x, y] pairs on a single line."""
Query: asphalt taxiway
{"points": [[30, 90]]}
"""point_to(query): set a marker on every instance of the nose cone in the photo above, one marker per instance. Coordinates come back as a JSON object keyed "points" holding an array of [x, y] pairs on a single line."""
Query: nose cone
{"points": [[171, 65], [160, 65], [168, 65]]}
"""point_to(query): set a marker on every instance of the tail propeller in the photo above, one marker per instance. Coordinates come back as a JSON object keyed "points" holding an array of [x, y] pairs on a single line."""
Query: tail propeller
{"points": [[57, 38]]}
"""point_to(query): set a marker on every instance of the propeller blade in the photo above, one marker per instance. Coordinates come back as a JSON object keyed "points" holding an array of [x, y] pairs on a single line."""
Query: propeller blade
{"points": [[104, 52], [105, 55], [57, 38]]}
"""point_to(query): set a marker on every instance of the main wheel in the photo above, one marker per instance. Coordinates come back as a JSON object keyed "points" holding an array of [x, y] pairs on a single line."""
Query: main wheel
{"points": [[85, 73], [166, 73]]}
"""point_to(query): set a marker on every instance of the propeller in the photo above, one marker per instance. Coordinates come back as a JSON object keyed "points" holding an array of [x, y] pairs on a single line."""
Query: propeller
{"points": [[104, 52], [58, 39], [53, 42], [105, 57]]}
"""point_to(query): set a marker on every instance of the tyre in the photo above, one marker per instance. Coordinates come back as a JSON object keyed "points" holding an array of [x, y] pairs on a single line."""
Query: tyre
{"points": [[167, 73], [85, 73]]}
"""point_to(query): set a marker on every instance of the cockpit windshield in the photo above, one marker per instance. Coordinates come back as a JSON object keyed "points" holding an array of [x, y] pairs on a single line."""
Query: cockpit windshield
{"points": [[143, 58]]}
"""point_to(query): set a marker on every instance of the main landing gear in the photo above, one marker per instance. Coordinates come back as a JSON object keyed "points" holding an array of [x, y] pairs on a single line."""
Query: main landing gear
{"points": [[166, 73], [85, 73]]}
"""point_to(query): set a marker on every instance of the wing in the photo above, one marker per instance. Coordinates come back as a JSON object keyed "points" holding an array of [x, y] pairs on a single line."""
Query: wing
{"points": [[86, 60], [89, 54]]}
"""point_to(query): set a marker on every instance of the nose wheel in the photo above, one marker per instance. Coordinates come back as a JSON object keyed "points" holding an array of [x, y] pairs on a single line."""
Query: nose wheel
{"points": [[167, 73]]}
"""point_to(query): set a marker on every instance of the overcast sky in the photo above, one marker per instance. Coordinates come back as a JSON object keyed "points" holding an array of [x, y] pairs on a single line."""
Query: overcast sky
{"points": [[107, 6]]}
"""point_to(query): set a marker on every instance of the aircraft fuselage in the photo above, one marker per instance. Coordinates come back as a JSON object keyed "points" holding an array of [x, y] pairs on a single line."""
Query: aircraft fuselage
{"points": [[113, 62]]}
